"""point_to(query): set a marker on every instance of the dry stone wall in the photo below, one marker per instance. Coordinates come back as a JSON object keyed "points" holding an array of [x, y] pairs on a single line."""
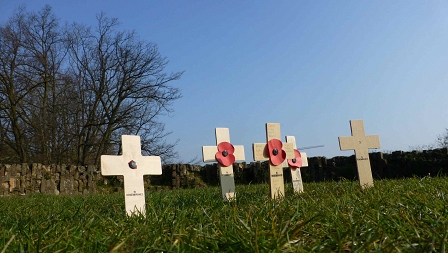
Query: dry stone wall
{"points": [[22, 179]]}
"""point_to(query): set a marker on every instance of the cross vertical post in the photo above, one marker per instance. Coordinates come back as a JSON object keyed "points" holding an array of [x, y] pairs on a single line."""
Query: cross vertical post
{"points": [[361, 144], [262, 153], [225, 162], [296, 175], [132, 166]]}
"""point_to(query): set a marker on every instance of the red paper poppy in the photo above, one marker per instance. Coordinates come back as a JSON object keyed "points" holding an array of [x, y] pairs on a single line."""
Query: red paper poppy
{"points": [[276, 154], [296, 162], [225, 154]]}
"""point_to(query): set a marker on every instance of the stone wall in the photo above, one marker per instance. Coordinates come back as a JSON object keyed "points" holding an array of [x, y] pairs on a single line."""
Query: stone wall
{"points": [[21, 179], [397, 164]]}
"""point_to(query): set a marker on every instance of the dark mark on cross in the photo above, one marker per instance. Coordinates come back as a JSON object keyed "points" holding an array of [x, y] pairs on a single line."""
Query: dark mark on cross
{"points": [[132, 164]]}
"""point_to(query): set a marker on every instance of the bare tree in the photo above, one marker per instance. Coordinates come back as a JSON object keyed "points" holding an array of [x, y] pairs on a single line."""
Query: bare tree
{"points": [[32, 84], [46, 53], [442, 140], [122, 82], [14, 87], [68, 94]]}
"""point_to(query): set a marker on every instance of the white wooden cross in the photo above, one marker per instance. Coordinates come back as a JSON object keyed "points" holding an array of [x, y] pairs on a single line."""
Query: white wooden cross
{"points": [[132, 166], [361, 144], [296, 175], [261, 153], [209, 154]]}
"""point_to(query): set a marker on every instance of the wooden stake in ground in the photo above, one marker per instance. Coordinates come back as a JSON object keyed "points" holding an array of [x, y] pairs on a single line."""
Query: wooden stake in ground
{"points": [[225, 154], [276, 152], [361, 144], [132, 165], [300, 160]]}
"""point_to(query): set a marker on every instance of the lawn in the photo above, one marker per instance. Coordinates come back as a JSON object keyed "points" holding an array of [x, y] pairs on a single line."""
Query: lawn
{"points": [[408, 215]]}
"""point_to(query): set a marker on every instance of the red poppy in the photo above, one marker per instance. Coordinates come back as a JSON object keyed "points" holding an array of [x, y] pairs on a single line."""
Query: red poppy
{"points": [[296, 162], [225, 154], [276, 154]]}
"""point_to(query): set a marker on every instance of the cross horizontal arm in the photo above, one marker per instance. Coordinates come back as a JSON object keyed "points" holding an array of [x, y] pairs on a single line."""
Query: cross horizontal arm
{"points": [[304, 159], [109, 165], [347, 143], [373, 141], [239, 153], [208, 153], [260, 151]]}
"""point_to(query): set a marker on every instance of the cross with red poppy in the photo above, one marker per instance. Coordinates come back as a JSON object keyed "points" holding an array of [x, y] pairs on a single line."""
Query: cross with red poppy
{"points": [[276, 152], [300, 160], [225, 154]]}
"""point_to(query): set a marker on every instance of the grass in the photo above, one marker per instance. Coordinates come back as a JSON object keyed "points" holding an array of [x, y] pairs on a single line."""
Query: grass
{"points": [[396, 215]]}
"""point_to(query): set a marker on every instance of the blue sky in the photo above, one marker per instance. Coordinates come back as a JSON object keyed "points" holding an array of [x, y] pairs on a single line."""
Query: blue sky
{"points": [[309, 65]]}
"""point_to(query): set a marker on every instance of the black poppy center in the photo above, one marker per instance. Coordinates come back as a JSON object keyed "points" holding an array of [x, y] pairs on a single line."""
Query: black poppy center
{"points": [[275, 151], [225, 153], [294, 160]]}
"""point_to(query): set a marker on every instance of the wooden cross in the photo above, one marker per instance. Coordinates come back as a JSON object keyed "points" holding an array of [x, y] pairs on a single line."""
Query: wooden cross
{"points": [[261, 153], [132, 166], [296, 175], [361, 144], [225, 172]]}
